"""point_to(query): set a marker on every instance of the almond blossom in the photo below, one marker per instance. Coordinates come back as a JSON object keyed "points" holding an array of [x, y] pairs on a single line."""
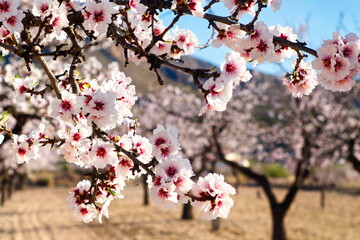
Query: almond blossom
{"points": [[282, 52], [219, 94], [102, 154], [66, 107], [227, 35], [338, 61], [59, 21], [248, 6], [303, 81], [79, 201], [26, 148], [43, 8], [172, 181], [234, 68], [76, 143], [165, 142], [185, 40], [258, 47], [98, 15], [214, 187], [8, 8], [100, 107], [13, 23], [274, 4]]}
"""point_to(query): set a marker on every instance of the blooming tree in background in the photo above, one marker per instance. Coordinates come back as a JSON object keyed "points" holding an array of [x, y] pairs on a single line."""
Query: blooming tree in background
{"points": [[88, 111], [264, 124]]}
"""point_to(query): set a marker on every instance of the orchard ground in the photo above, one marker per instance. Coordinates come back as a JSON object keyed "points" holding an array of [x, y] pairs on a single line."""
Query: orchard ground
{"points": [[42, 214]]}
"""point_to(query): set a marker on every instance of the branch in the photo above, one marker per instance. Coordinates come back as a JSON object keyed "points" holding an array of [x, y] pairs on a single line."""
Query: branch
{"points": [[302, 171], [8, 47], [135, 160], [226, 20], [351, 155], [50, 75], [259, 178]]}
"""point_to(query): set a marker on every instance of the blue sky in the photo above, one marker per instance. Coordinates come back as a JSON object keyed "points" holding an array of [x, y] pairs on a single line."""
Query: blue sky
{"points": [[323, 17]]}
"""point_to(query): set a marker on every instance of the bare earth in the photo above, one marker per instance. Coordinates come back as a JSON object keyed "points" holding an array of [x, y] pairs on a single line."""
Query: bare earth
{"points": [[42, 214]]}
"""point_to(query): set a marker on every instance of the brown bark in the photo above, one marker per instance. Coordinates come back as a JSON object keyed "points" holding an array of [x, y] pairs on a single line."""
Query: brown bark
{"points": [[215, 224], [351, 155], [278, 213], [322, 197], [10, 185], [3, 190], [146, 200], [278, 209], [187, 212]]}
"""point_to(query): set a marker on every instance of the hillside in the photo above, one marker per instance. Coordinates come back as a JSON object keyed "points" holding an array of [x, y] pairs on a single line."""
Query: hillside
{"points": [[146, 80]]}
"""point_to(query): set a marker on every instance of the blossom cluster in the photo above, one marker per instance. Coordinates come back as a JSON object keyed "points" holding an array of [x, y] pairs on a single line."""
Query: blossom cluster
{"points": [[84, 120], [338, 61], [303, 80], [219, 91], [87, 112], [336, 57], [173, 184], [89, 201]]}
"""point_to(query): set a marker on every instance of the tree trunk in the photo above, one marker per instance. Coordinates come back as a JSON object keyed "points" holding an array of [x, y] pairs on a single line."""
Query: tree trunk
{"points": [[258, 194], [322, 197], [10, 186], [21, 180], [187, 212], [3, 191], [278, 216], [215, 224], [146, 201]]}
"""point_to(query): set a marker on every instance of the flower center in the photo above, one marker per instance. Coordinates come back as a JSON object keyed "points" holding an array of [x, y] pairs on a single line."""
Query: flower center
{"points": [[101, 152], [21, 151], [99, 16], [66, 105]]}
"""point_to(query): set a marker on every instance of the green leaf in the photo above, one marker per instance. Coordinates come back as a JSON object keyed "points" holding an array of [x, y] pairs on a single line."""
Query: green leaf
{"points": [[112, 192], [3, 115]]}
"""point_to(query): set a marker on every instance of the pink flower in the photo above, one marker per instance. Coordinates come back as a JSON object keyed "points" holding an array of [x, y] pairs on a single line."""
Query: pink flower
{"points": [[227, 35], [59, 21], [123, 167], [247, 7], [234, 68], [26, 148], [338, 62], [66, 107], [102, 154], [282, 52], [341, 85], [8, 8], [43, 8], [165, 142], [79, 201], [219, 94], [274, 4], [142, 147], [85, 212], [195, 7], [101, 109], [258, 47], [214, 188], [98, 15], [304, 82], [185, 40], [172, 181], [13, 23], [76, 143]]}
